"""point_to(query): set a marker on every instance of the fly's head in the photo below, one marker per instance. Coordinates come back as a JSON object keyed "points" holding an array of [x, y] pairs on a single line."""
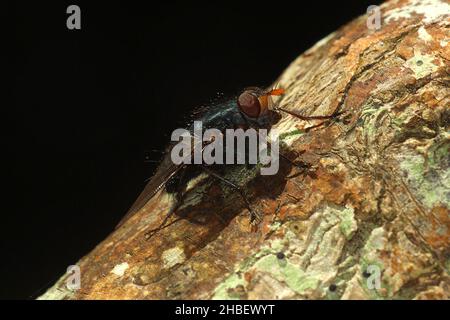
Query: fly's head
{"points": [[255, 105]]}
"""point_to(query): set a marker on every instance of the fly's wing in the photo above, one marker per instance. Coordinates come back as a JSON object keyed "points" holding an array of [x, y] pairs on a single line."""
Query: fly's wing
{"points": [[166, 170]]}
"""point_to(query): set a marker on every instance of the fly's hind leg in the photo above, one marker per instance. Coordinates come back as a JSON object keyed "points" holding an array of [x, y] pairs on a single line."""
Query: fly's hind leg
{"points": [[255, 217], [164, 223], [179, 197]]}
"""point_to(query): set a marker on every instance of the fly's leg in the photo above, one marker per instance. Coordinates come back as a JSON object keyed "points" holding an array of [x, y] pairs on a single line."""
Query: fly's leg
{"points": [[179, 201], [255, 217], [303, 166], [164, 223], [307, 118], [179, 197], [299, 164]]}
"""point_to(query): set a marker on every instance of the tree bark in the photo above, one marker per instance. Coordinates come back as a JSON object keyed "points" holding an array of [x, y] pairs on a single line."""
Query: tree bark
{"points": [[376, 197]]}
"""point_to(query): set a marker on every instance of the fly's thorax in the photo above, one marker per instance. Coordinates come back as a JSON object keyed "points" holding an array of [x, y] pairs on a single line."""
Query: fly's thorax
{"points": [[223, 116]]}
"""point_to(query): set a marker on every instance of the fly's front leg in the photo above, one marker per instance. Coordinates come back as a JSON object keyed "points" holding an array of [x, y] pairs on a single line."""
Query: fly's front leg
{"points": [[255, 217], [307, 118]]}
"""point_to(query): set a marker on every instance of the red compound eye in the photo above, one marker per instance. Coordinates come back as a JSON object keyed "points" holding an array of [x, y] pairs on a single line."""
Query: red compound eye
{"points": [[249, 104]]}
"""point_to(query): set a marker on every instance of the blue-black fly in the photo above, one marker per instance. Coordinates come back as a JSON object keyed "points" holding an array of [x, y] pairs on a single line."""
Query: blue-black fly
{"points": [[252, 108]]}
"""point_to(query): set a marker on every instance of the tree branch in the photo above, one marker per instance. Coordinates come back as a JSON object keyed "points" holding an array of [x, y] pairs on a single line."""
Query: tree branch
{"points": [[375, 199]]}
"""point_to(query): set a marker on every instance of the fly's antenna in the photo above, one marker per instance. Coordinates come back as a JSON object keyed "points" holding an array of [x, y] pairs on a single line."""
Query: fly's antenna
{"points": [[275, 91], [276, 85]]}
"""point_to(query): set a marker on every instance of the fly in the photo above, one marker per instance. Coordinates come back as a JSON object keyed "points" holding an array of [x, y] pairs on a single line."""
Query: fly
{"points": [[252, 108]]}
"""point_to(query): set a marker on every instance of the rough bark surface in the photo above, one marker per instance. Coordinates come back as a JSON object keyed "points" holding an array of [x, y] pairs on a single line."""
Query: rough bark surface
{"points": [[378, 192]]}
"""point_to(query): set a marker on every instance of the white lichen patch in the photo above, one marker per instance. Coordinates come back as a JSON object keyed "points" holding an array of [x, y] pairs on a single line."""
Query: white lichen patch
{"points": [[337, 225], [173, 256], [372, 115], [58, 291], [432, 11], [286, 272], [308, 260], [370, 253], [354, 290], [424, 35], [376, 242], [422, 64], [119, 270], [348, 225], [429, 190], [221, 291], [398, 263], [443, 43]]}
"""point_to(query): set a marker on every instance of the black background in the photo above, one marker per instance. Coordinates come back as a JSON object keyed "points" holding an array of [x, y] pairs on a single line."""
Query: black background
{"points": [[90, 104]]}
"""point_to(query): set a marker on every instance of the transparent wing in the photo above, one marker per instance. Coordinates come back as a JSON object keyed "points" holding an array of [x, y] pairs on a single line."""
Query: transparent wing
{"points": [[166, 170]]}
